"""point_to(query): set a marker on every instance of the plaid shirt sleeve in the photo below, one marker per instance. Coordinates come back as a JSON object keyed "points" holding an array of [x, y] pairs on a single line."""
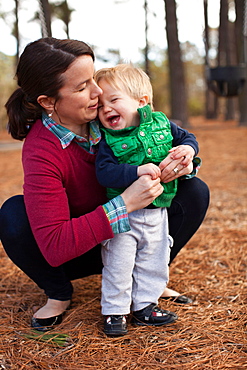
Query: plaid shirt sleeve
{"points": [[117, 215], [197, 162]]}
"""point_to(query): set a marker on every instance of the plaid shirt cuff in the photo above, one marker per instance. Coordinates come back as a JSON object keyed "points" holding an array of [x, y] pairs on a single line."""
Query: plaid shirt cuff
{"points": [[197, 162], [117, 215]]}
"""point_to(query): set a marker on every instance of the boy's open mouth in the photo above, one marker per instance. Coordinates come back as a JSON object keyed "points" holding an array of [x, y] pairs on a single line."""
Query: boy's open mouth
{"points": [[113, 121]]}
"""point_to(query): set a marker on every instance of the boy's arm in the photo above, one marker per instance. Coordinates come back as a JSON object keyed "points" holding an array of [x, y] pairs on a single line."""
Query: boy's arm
{"points": [[183, 137], [185, 145], [109, 172]]}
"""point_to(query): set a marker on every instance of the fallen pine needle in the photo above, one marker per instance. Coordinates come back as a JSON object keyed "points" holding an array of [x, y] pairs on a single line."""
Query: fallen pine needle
{"points": [[62, 340]]}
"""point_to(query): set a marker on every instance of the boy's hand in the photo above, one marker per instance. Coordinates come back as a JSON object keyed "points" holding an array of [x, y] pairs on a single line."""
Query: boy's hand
{"points": [[149, 169], [183, 151]]}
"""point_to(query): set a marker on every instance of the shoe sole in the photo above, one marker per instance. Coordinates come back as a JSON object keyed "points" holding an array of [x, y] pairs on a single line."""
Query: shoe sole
{"points": [[135, 321], [115, 334], [178, 299]]}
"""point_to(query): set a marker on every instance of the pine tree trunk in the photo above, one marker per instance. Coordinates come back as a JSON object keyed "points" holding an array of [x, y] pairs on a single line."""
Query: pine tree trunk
{"points": [[241, 42], [16, 30], [45, 18], [178, 95], [211, 100]]}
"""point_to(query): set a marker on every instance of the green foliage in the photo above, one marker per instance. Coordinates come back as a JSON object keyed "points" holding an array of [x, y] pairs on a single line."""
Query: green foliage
{"points": [[7, 84], [195, 83], [62, 11], [160, 80], [194, 72], [58, 339], [159, 76], [195, 106]]}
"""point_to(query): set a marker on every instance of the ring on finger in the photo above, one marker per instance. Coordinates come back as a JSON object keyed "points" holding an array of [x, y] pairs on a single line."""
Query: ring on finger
{"points": [[175, 170]]}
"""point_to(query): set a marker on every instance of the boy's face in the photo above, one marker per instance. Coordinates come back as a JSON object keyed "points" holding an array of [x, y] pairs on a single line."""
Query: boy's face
{"points": [[116, 109]]}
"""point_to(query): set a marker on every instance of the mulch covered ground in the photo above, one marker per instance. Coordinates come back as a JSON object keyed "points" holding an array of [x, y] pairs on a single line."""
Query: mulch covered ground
{"points": [[212, 269]]}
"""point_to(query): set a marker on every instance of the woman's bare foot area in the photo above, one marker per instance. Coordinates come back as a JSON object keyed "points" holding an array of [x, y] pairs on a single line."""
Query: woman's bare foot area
{"points": [[170, 293], [52, 308]]}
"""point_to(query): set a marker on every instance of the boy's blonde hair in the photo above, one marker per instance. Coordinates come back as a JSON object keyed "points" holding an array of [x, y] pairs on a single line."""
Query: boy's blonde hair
{"points": [[134, 81]]}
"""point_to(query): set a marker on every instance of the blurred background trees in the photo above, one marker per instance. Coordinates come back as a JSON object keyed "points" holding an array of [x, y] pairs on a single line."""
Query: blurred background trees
{"points": [[185, 82]]}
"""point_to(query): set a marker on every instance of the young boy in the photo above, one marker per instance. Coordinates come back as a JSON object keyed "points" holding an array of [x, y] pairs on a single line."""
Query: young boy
{"points": [[136, 140]]}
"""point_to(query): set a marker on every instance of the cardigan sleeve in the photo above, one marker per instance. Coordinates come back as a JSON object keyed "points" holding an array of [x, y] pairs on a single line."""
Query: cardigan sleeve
{"points": [[63, 205]]}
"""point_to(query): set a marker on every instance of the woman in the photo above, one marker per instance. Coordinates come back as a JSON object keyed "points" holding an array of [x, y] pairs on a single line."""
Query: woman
{"points": [[53, 234]]}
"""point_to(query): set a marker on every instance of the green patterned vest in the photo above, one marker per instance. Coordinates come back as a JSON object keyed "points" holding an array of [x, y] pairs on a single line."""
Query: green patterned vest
{"points": [[149, 142]]}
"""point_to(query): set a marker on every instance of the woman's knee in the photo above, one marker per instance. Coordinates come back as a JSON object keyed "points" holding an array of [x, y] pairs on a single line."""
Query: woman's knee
{"points": [[194, 192], [13, 218], [201, 194]]}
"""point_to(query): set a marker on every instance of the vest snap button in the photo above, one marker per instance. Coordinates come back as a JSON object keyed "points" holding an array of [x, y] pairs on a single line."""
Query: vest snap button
{"points": [[144, 114], [162, 137], [142, 133], [149, 151], [124, 146]]}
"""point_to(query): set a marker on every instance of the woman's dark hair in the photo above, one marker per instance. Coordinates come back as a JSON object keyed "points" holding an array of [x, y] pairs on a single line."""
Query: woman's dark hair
{"points": [[39, 72]]}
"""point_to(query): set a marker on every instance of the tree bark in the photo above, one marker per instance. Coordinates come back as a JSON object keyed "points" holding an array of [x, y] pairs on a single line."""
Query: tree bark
{"points": [[45, 18], [211, 100], [178, 94], [146, 50], [241, 42], [16, 31]]}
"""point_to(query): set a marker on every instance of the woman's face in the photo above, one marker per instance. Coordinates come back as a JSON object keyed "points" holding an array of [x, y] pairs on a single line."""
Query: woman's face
{"points": [[78, 98]]}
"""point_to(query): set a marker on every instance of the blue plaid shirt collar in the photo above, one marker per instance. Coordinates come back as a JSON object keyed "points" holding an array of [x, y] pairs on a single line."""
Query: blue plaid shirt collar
{"points": [[66, 136]]}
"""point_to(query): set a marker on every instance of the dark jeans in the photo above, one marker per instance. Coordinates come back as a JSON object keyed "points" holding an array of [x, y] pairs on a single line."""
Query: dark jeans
{"points": [[185, 215]]}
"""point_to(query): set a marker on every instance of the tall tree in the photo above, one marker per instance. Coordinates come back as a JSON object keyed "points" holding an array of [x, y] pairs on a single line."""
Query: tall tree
{"points": [[178, 95], [146, 50], [226, 52], [228, 78], [241, 42], [211, 99], [16, 31], [45, 18]]}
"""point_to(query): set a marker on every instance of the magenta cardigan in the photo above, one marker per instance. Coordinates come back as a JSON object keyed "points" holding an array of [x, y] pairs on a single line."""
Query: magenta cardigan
{"points": [[62, 197]]}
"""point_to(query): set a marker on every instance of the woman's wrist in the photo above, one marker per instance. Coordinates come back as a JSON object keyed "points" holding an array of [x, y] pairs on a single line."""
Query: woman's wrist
{"points": [[197, 162], [117, 215]]}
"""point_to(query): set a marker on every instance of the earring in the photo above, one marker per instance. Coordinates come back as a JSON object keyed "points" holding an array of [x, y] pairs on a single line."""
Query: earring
{"points": [[50, 114]]}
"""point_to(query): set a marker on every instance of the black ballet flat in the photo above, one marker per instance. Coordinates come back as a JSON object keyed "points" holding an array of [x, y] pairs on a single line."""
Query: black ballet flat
{"points": [[46, 324], [180, 299]]}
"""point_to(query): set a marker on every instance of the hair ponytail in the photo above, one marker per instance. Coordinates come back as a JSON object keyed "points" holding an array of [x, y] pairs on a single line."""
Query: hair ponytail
{"points": [[39, 72], [22, 114]]}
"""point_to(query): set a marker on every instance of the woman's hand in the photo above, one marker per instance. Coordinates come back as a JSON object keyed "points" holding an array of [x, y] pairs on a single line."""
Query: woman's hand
{"points": [[177, 163], [183, 151], [141, 193], [175, 170]]}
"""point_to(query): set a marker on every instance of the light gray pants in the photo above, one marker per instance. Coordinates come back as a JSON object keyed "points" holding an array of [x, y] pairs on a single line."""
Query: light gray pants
{"points": [[136, 269]]}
